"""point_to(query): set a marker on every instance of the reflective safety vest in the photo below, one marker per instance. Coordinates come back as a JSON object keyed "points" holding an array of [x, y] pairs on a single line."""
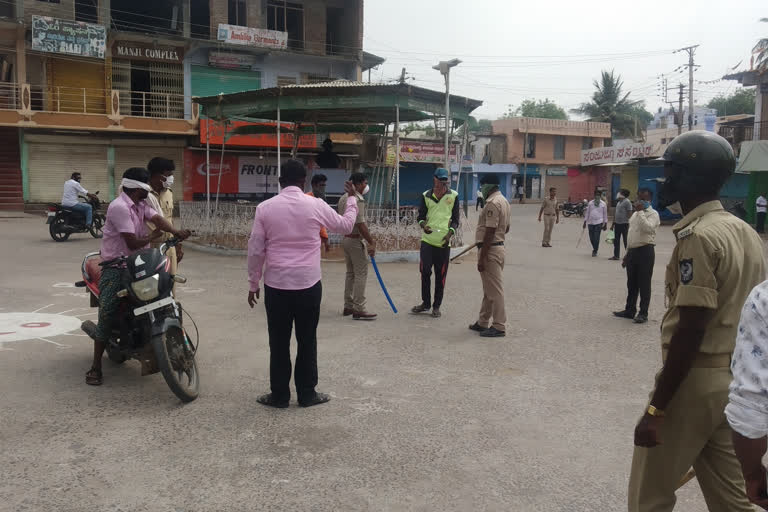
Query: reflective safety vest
{"points": [[438, 216]]}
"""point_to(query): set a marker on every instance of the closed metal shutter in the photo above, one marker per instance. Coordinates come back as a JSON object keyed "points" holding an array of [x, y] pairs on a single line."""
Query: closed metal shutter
{"points": [[50, 165], [139, 156]]}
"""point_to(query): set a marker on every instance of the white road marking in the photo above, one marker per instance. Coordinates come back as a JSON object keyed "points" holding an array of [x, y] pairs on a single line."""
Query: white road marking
{"points": [[42, 308], [53, 343]]}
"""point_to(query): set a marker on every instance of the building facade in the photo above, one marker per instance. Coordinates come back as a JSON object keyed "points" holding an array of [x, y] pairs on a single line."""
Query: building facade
{"points": [[547, 151], [98, 86]]}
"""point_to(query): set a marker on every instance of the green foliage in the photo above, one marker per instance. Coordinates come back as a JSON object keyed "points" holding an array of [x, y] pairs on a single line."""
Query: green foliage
{"points": [[611, 105], [740, 102], [545, 109]]}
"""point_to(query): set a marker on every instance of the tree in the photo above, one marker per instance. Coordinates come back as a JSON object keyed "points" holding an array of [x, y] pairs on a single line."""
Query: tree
{"points": [[761, 51], [740, 102], [611, 105], [544, 109]]}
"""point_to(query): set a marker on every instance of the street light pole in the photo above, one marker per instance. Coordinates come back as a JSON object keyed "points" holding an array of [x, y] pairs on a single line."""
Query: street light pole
{"points": [[444, 67]]}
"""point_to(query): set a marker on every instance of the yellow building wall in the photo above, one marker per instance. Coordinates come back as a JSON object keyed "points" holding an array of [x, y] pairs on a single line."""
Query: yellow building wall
{"points": [[629, 180]]}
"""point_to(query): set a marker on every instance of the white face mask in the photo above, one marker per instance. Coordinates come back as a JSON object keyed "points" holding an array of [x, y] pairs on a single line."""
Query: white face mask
{"points": [[619, 196], [169, 181], [366, 189]]}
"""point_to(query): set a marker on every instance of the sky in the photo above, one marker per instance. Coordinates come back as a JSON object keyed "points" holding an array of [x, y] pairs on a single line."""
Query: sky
{"points": [[512, 50]]}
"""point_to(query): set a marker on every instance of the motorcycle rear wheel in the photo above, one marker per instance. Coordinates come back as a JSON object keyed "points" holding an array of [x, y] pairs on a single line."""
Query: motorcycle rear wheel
{"points": [[177, 364], [55, 229], [115, 356], [567, 213], [97, 226]]}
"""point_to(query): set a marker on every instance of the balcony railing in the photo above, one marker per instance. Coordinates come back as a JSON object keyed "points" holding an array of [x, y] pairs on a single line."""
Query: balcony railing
{"points": [[738, 134], [83, 100]]}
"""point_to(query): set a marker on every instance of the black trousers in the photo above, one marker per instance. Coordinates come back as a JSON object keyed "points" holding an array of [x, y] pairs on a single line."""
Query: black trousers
{"points": [[437, 257], [479, 203], [594, 235], [640, 262], [284, 309], [760, 226], [619, 230]]}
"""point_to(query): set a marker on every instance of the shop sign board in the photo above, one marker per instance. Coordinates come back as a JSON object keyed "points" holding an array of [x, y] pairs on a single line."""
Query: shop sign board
{"points": [[135, 50], [53, 35], [248, 36], [231, 60], [308, 141], [413, 151], [257, 175], [609, 155]]}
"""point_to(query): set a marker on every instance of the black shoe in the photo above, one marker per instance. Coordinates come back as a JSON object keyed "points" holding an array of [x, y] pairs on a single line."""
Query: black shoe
{"points": [[594, 254], [641, 319], [493, 333], [614, 258], [477, 327], [421, 308], [319, 398], [624, 314], [270, 401], [436, 313]]}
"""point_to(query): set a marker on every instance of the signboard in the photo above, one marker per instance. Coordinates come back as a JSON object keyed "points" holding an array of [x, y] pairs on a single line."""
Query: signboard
{"points": [[248, 36], [412, 151], [195, 173], [256, 139], [143, 51], [53, 35], [231, 60], [257, 175], [609, 155], [557, 171]]}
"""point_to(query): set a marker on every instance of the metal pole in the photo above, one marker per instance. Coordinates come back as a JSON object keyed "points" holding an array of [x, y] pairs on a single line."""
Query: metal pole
{"points": [[208, 169], [680, 115], [278, 145], [690, 88], [525, 163], [447, 114], [397, 163], [221, 168]]}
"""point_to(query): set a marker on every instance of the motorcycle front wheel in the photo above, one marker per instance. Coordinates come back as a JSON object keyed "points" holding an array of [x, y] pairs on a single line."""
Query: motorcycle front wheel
{"points": [[97, 226], [177, 364], [56, 229], [567, 213]]}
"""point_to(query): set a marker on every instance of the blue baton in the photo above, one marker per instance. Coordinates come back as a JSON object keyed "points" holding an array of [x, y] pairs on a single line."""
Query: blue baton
{"points": [[383, 288]]}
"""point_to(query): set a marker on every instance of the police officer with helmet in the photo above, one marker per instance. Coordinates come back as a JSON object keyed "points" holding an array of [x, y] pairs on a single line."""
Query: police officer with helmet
{"points": [[716, 262]]}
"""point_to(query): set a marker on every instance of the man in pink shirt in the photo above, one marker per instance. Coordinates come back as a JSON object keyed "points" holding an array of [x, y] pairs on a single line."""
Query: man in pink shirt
{"points": [[284, 249], [124, 233], [596, 219]]}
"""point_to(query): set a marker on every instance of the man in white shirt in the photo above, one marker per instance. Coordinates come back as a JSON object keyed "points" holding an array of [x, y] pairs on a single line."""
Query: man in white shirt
{"points": [[596, 219], [761, 206], [71, 197], [640, 256], [747, 409]]}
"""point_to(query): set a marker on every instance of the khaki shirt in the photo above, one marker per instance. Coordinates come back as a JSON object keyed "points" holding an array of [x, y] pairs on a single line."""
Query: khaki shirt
{"points": [[549, 206], [342, 207], [494, 215], [717, 261], [162, 203]]}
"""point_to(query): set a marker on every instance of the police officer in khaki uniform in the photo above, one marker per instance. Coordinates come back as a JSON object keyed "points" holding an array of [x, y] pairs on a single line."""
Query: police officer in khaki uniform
{"points": [[492, 226], [161, 200], [716, 262], [551, 216]]}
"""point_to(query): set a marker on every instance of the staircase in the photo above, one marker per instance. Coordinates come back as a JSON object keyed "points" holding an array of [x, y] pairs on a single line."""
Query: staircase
{"points": [[11, 191]]}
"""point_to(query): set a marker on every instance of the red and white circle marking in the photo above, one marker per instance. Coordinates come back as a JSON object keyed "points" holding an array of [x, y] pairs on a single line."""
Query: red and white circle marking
{"points": [[30, 326]]}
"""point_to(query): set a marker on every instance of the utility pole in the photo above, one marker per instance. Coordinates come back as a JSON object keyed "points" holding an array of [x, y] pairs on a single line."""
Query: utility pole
{"points": [[691, 50], [444, 67], [402, 76], [679, 115]]}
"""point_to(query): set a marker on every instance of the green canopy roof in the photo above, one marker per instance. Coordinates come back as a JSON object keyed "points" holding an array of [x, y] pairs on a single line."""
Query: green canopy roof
{"points": [[339, 102]]}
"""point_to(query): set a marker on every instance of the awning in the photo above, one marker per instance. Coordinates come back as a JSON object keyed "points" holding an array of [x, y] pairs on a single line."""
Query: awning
{"points": [[753, 157]]}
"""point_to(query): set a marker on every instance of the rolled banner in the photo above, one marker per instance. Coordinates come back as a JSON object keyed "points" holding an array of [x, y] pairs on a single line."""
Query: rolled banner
{"points": [[381, 283]]}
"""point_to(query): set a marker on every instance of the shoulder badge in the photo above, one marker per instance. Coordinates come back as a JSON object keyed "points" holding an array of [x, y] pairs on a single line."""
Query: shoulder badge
{"points": [[687, 230], [686, 271]]}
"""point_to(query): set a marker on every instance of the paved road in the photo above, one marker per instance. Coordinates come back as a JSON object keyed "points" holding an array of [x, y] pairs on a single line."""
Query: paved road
{"points": [[425, 415]]}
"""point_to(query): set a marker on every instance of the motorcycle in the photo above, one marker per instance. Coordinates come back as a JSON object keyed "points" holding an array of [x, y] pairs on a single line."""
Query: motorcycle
{"points": [[576, 208], [738, 210], [63, 221], [149, 324]]}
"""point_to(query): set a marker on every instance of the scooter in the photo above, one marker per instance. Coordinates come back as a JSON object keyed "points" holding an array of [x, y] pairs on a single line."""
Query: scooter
{"points": [[149, 325], [63, 221]]}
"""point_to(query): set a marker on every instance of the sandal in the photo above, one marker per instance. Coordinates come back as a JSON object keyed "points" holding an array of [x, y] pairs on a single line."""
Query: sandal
{"points": [[94, 377], [421, 308]]}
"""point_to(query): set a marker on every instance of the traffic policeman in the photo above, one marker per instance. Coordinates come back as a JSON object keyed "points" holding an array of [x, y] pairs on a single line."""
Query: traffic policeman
{"points": [[438, 218], [492, 227], [716, 262]]}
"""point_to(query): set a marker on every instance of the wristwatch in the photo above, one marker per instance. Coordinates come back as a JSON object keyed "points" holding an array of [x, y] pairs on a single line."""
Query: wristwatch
{"points": [[658, 413]]}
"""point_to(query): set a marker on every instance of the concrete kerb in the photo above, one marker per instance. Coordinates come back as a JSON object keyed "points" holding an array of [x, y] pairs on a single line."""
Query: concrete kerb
{"points": [[382, 257]]}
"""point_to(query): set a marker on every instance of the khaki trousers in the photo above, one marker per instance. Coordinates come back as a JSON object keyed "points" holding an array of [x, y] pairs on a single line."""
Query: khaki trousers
{"points": [[549, 222], [492, 308], [357, 273], [695, 434]]}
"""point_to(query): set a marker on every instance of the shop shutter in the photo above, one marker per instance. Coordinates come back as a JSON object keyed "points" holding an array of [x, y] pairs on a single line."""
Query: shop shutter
{"points": [[77, 86], [139, 156], [50, 165], [208, 81]]}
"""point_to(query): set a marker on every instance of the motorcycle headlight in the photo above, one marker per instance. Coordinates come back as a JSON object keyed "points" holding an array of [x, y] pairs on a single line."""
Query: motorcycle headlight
{"points": [[147, 289]]}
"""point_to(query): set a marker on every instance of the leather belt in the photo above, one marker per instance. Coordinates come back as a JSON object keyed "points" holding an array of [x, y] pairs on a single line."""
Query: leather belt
{"points": [[494, 244], [351, 236], [549, 214], [704, 360]]}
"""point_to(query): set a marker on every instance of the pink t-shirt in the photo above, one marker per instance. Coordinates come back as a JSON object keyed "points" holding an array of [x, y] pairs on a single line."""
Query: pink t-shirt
{"points": [[123, 216], [284, 245]]}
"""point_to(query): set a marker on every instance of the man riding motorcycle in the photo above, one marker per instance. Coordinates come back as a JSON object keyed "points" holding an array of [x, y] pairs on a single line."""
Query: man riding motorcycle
{"points": [[124, 233], [70, 198]]}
